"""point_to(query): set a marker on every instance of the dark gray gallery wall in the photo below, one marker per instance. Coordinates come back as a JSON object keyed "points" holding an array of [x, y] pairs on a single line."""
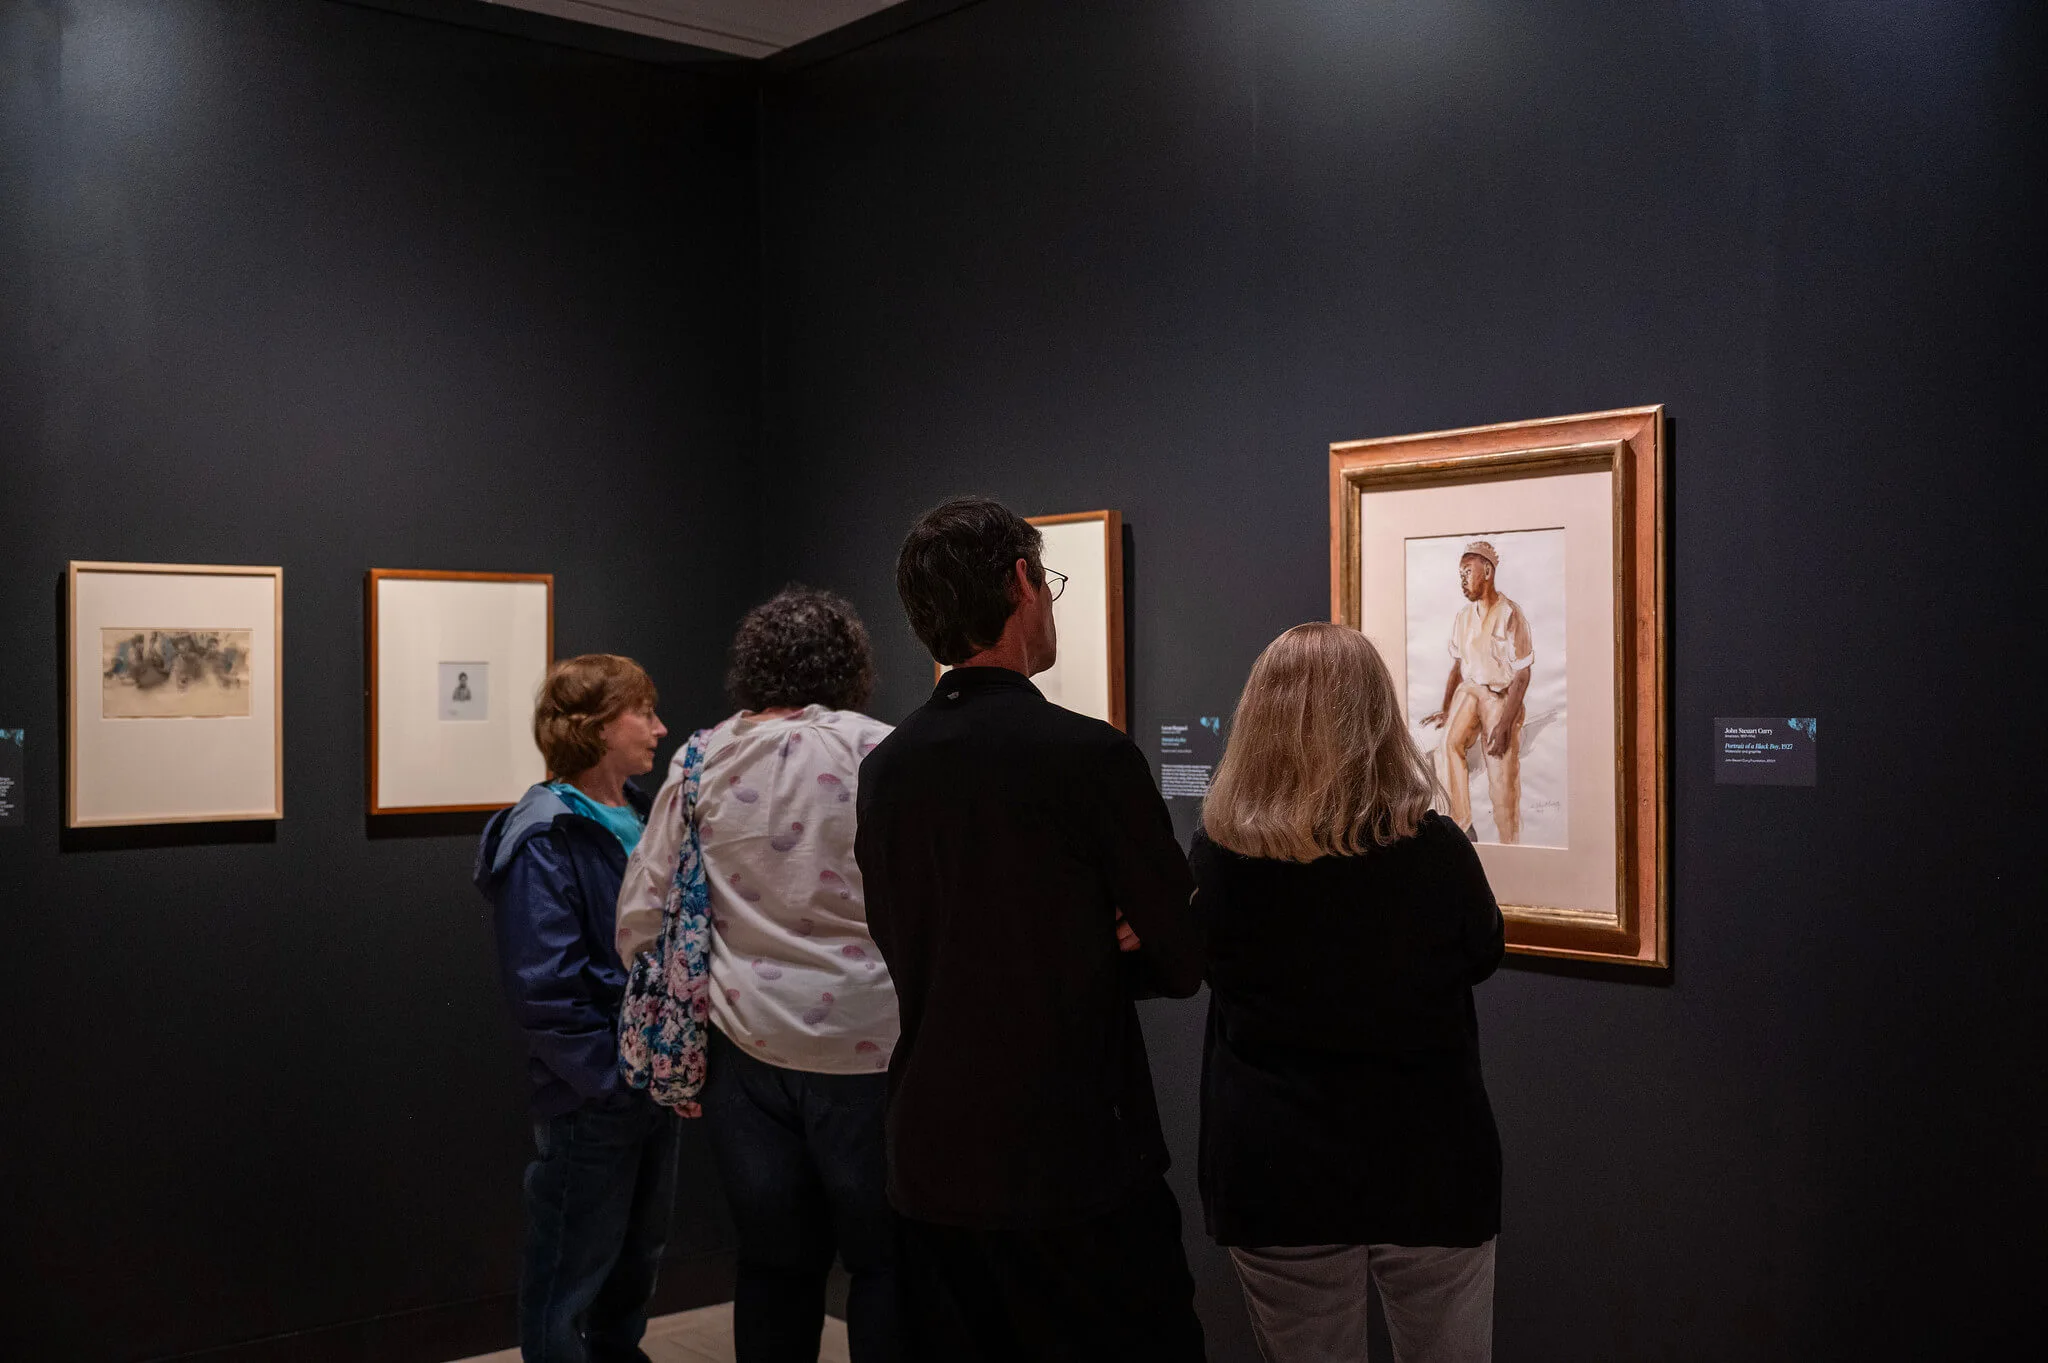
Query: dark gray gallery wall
{"points": [[333, 288], [291, 281], [1157, 256]]}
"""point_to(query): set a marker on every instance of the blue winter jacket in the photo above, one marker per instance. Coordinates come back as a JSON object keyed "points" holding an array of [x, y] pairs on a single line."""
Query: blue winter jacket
{"points": [[552, 877]]}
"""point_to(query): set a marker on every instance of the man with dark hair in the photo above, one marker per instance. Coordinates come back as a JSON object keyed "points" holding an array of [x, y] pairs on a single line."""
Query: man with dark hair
{"points": [[1024, 886]]}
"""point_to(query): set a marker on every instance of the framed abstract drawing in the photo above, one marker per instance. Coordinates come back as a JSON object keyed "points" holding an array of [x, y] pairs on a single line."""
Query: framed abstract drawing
{"points": [[1513, 578], [452, 662], [1086, 548], [174, 694]]}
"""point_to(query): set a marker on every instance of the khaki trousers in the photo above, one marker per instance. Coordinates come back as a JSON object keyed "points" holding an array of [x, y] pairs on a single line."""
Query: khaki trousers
{"points": [[1307, 1304], [1475, 712]]}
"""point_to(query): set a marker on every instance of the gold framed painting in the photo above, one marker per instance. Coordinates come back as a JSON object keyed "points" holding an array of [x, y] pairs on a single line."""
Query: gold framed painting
{"points": [[174, 694], [1513, 578], [452, 664], [1087, 548]]}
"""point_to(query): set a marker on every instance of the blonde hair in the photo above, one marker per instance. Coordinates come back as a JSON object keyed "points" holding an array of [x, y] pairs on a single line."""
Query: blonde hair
{"points": [[579, 697], [1319, 762]]}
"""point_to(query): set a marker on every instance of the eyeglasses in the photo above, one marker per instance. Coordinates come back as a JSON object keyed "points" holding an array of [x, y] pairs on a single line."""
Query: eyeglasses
{"points": [[1057, 582]]}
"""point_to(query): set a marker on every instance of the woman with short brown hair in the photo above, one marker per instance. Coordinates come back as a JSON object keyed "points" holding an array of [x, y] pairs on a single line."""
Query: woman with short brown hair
{"points": [[1346, 1132], [599, 1189]]}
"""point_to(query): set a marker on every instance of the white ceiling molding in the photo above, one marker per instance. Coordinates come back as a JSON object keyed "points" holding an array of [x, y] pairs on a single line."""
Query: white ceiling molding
{"points": [[747, 28]]}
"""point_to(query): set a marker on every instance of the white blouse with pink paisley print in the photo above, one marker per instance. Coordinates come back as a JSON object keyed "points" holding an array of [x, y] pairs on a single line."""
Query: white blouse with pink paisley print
{"points": [[795, 976]]}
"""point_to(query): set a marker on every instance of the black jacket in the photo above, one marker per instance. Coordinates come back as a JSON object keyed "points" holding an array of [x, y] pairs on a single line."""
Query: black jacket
{"points": [[1342, 1101], [999, 835]]}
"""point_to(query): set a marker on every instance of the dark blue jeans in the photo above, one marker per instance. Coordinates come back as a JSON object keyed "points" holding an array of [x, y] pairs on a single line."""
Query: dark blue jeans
{"points": [[805, 1171], [599, 1194]]}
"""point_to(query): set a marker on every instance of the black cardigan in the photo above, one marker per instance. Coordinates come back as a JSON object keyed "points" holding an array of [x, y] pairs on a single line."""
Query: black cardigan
{"points": [[999, 837], [1342, 1101]]}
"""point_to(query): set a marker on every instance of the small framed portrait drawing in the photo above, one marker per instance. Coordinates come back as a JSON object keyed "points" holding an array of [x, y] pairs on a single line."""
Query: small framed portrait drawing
{"points": [[1513, 578], [453, 661], [466, 692]]}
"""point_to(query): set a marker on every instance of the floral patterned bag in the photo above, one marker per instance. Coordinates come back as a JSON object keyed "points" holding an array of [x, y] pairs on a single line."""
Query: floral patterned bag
{"points": [[663, 1021]]}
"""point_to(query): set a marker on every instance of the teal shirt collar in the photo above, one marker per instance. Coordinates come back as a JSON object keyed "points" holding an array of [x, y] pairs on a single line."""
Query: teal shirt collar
{"points": [[624, 821]]}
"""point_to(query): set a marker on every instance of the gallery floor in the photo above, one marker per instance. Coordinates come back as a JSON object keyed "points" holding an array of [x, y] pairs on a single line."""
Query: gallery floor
{"points": [[700, 1336]]}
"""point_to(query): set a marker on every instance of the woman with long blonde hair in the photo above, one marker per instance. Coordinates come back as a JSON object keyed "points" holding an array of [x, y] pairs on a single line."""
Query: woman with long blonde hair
{"points": [[1346, 1132]]}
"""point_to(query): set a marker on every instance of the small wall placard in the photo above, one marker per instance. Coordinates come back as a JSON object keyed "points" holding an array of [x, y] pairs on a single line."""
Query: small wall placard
{"points": [[1189, 750], [1766, 752], [12, 765]]}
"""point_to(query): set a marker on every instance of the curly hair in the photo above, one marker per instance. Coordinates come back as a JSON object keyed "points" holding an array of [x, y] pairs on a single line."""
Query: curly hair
{"points": [[955, 574], [802, 646], [577, 699]]}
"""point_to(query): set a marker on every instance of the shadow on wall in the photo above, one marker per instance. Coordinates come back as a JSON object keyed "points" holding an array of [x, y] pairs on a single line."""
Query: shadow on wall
{"points": [[468, 823]]}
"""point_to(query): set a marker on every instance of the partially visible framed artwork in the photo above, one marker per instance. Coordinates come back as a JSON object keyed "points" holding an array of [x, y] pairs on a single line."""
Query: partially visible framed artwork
{"points": [[174, 686], [1087, 549], [1512, 576], [453, 662]]}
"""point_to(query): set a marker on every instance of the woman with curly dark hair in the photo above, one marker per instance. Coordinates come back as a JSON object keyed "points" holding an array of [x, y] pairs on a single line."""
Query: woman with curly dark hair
{"points": [[802, 1009]]}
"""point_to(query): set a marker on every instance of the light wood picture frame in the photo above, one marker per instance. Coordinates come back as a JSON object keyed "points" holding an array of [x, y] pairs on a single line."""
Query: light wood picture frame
{"points": [[489, 636], [1089, 678], [174, 693], [1567, 514]]}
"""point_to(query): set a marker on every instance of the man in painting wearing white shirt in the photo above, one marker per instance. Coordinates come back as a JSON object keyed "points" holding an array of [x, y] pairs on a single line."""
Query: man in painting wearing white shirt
{"points": [[1491, 657]]}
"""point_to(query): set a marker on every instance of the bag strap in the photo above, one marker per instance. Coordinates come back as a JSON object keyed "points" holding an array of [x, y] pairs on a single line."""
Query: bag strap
{"points": [[693, 768]]}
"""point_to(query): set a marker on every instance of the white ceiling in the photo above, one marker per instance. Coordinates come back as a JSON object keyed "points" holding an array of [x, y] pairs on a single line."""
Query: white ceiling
{"points": [[749, 28]]}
